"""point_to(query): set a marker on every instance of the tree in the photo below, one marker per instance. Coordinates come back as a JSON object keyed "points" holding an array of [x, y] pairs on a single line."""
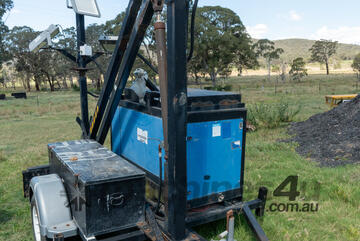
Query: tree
{"points": [[220, 37], [245, 57], [93, 32], [298, 70], [5, 5], [322, 50], [25, 62], [42, 67], [356, 65], [266, 49], [2, 79], [67, 41]]}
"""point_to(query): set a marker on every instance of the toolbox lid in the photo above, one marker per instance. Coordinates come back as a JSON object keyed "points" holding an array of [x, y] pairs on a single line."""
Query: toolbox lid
{"points": [[93, 162]]}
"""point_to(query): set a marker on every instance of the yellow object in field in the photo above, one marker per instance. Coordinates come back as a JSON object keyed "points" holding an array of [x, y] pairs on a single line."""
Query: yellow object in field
{"points": [[335, 100]]}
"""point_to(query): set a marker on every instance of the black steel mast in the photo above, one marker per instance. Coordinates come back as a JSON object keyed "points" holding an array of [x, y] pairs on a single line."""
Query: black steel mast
{"points": [[80, 29], [177, 20]]}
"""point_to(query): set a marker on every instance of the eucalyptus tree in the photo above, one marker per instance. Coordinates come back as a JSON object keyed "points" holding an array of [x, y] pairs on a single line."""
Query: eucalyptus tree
{"points": [[5, 6], [266, 49], [322, 50], [221, 43]]}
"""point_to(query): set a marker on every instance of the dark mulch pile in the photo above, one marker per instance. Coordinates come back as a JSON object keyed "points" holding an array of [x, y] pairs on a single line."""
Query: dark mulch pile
{"points": [[331, 138]]}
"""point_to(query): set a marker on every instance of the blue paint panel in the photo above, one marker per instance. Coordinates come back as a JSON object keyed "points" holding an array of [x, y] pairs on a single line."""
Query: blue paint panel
{"points": [[213, 151], [125, 141]]}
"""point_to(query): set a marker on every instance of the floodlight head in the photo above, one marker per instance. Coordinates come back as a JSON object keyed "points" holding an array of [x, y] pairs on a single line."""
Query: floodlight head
{"points": [[108, 42], [86, 7], [44, 38]]}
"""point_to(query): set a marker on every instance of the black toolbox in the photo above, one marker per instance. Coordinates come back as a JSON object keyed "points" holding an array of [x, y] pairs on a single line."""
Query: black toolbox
{"points": [[106, 193]]}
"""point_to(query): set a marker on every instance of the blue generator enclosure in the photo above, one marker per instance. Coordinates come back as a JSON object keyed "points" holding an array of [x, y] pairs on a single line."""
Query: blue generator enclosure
{"points": [[215, 147]]}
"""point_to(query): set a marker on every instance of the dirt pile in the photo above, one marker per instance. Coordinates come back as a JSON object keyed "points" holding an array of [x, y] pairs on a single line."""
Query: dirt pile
{"points": [[331, 138]]}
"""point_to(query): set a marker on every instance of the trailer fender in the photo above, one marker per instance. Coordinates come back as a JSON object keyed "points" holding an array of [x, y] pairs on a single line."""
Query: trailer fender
{"points": [[52, 206]]}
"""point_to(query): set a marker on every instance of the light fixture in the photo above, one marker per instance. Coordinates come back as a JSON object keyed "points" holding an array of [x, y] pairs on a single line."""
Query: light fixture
{"points": [[44, 38], [108, 42], [86, 7]]}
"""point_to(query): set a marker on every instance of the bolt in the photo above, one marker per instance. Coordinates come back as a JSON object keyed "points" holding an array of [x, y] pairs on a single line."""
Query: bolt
{"points": [[221, 197]]}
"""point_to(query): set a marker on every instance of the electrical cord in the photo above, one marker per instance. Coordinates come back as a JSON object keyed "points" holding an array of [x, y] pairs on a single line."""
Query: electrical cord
{"points": [[98, 66], [147, 62], [93, 95]]}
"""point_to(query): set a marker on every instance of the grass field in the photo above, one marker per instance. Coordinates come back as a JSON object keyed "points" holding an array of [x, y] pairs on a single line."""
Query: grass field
{"points": [[26, 126]]}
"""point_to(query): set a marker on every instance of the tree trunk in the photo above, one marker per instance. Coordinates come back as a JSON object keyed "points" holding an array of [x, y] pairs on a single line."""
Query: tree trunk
{"points": [[283, 72], [23, 83], [37, 87], [57, 82], [98, 84], [269, 69], [28, 84], [93, 82], [37, 81], [50, 82], [327, 67], [240, 71], [64, 82], [213, 78], [71, 81], [196, 78]]}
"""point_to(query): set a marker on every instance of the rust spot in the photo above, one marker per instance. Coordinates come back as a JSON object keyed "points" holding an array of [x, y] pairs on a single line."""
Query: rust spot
{"points": [[229, 102], [76, 175], [67, 225], [74, 158], [202, 104], [229, 214]]}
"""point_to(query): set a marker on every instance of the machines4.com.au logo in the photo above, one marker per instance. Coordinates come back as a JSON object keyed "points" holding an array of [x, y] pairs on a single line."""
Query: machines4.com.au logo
{"points": [[289, 188]]}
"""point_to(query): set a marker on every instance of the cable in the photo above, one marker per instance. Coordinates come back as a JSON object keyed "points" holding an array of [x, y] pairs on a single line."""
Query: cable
{"points": [[98, 65], [147, 62], [192, 30], [92, 94]]}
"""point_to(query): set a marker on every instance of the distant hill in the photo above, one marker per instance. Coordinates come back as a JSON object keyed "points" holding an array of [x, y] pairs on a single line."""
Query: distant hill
{"points": [[300, 48]]}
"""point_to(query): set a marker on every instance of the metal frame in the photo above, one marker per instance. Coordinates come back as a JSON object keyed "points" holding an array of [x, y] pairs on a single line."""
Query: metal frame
{"points": [[113, 68], [175, 175], [136, 37], [178, 220], [81, 62]]}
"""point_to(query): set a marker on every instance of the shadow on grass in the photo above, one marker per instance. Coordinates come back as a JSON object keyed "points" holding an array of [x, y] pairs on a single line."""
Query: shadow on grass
{"points": [[5, 216], [211, 230], [2, 157]]}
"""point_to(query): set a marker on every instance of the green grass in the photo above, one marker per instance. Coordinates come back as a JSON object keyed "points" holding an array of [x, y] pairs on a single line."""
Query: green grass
{"points": [[26, 127]]}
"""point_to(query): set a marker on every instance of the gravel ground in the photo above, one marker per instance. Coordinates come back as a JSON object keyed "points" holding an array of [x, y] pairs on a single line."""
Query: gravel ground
{"points": [[331, 138]]}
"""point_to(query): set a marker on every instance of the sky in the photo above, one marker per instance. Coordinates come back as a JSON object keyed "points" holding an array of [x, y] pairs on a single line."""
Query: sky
{"points": [[277, 19]]}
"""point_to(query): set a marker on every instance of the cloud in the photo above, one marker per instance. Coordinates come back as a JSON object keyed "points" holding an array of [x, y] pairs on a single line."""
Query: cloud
{"points": [[294, 16], [258, 30], [344, 34]]}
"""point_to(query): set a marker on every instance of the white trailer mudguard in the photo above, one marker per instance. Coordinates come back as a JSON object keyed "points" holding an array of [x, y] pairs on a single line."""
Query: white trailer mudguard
{"points": [[52, 206]]}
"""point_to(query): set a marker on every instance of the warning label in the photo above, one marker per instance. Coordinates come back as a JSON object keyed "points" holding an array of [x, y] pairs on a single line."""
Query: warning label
{"points": [[142, 135], [216, 130]]}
